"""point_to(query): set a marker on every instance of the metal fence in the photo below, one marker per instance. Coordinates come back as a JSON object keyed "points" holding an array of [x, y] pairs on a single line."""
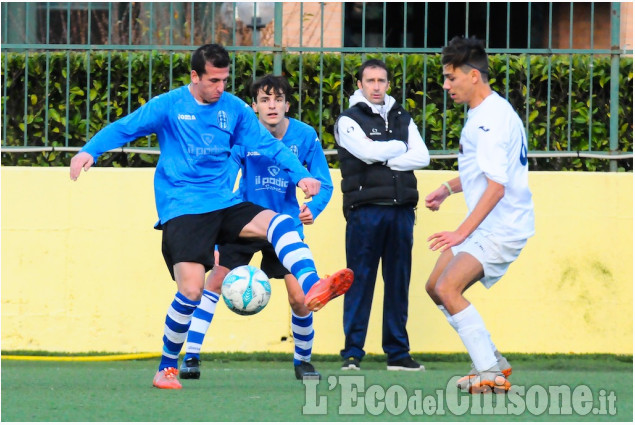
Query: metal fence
{"points": [[279, 31]]}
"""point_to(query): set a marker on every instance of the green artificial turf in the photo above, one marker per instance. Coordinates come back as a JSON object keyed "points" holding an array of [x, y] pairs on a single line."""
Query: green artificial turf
{"points": [[243, 389]]}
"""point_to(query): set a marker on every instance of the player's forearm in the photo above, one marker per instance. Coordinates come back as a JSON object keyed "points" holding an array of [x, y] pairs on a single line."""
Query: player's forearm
{"points": [[139, 123], [491, 196], [454, 185], [319, 202], [110, 137], [319, 168]]}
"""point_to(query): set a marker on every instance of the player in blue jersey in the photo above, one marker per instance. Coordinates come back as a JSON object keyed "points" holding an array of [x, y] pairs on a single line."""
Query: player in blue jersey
{"points": [[263, 183], [196, 126]]}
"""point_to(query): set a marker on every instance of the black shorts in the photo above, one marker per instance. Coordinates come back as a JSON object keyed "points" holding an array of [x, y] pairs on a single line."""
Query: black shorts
{"points": [[192, 237], [232, 255]]}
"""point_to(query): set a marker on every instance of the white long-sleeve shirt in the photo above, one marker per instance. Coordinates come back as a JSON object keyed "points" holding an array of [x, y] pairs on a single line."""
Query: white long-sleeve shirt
{"points": [[399, 156]]}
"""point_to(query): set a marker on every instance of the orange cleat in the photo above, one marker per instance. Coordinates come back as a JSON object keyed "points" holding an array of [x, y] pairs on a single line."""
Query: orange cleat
{"points": [[484, 382], [502, 364], [328, 288], [166, 379]]}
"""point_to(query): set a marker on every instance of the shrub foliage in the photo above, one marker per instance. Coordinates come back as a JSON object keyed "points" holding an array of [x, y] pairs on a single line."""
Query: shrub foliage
{"points": [[61, 99]]}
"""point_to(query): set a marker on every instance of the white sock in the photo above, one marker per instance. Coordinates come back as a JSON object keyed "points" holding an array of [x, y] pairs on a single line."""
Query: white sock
{"points": [[448, 316], [475, 337]]}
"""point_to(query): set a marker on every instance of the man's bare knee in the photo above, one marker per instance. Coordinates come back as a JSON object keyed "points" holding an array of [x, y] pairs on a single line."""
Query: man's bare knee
{"points": [[190, 279], [193, 294], [443, 293], [430, 289]]}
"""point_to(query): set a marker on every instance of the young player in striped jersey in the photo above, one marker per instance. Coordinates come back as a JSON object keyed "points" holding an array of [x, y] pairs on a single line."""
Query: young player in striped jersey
{"points": [[493, 176], [263, 183], [196, 126]]}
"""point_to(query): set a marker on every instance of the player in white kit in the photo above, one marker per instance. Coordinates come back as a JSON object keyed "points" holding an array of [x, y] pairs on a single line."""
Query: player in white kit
{"points": [[493, 176]]}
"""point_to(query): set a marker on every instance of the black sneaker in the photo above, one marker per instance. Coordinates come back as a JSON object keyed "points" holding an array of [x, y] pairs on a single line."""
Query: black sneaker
{"points": [[407, 363], [190, 369], [305, 370], [352, 363]]}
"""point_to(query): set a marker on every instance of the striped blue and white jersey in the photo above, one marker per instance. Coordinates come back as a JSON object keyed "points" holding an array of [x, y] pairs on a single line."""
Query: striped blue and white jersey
{"points": [[264, 183], [193, 171]]}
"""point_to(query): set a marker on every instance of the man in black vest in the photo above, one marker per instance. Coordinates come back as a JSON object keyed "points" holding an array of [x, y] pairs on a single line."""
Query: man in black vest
{"points": [[379, 146]]}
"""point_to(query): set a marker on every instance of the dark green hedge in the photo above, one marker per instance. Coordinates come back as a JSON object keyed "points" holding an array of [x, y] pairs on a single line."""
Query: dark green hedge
{"points": [[550, 78]]}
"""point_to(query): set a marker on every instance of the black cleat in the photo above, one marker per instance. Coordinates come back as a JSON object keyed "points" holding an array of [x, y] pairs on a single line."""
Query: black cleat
{"points": [[190, 368], [407, 364], [306, 370], [352, 363]]}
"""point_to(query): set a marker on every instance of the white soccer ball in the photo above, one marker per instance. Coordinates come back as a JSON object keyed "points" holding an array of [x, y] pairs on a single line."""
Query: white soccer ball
{"points": [[246, 290]]}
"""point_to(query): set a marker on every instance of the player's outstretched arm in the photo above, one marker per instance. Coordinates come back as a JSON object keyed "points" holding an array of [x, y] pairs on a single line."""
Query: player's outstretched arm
{"points": [[81, 160]]}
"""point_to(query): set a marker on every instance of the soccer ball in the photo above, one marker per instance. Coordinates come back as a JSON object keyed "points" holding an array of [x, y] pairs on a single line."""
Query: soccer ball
{"points": [[246, 290]]}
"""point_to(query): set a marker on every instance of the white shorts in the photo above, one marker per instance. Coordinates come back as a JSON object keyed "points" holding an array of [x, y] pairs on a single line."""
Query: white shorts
{"points": [[495, 255]]}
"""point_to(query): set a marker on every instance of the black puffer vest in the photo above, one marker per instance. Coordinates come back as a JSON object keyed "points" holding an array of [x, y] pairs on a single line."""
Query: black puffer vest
{"points": [[376, 183]]}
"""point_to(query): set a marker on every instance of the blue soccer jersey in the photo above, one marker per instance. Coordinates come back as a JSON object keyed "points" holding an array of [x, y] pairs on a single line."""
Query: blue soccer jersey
{"points": [[193, 171], [265, 183]]}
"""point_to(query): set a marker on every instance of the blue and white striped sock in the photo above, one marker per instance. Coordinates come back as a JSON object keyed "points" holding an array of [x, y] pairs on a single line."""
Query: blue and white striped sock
{"points": [[201, 320], [177, 322], [302, 329], [293, 253]]}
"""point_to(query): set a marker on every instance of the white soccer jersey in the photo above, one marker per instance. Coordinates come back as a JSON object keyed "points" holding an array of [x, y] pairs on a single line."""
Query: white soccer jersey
{"points": [[493, 144]]}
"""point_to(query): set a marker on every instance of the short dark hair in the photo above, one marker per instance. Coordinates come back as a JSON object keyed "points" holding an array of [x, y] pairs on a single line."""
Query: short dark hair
{"points": [[214, 54], [466, 52], [268, 83], [372, 63]]}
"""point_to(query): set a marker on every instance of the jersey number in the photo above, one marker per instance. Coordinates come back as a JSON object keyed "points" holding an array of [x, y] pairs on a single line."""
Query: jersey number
{"points": [[523, 151]]}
